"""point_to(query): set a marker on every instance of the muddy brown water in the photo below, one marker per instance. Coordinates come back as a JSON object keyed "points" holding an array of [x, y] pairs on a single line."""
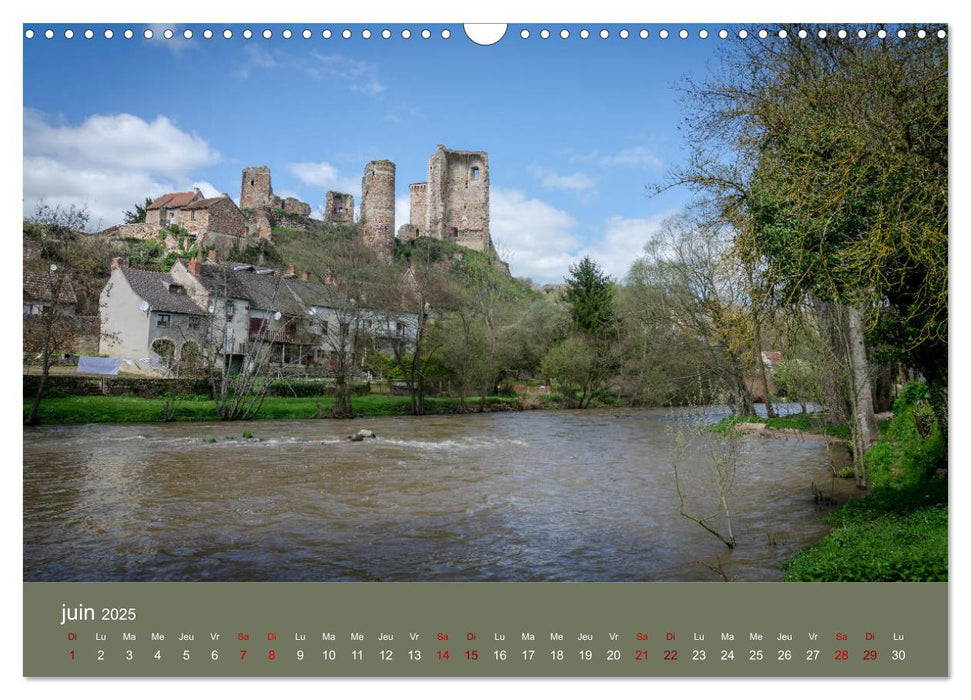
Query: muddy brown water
{"points": [[538, 496]]}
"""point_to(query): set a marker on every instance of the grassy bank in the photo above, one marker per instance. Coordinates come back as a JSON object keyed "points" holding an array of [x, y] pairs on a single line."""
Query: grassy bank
{"points": [[898, 531], [74, 410]]}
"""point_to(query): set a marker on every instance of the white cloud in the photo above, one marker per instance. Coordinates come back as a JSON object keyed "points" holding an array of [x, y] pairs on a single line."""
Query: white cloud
{"points": [[621, 242], [108, 162], [361, 75], [534, 237], [636, 157], [326, 177], [119, 141], [540, 241], [208, 189], [553, 180], [256, 57], [402, 211]]}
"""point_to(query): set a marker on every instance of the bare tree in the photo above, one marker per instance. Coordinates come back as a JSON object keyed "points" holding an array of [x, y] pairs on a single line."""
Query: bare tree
{"points": [[58, 260]]}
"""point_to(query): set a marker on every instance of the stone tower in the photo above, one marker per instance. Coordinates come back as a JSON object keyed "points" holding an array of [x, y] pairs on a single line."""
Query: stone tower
{"points": [[418, 193], [339, 208], [256, 191], [377, 208], [457, 198]]}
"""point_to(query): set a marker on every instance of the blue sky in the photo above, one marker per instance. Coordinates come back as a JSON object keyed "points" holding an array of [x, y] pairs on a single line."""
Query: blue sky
{"points": [[575, 128]]}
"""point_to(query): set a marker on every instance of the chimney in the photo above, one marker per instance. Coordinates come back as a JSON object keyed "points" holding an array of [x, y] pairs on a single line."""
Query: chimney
{"points": [[213, 255], [291, 271], [305, 276], [117, 262], [195, 266]]}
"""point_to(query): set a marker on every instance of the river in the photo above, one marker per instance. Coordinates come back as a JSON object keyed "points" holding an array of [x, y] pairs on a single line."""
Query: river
{"points": [[535, 496]]}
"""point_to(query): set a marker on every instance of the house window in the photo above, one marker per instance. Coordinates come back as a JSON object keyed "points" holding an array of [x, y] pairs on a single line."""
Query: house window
{"points": [[345, 328], [323, 327], [475, 172], [193, 217], [176, 289], [230, 309], [367, 324], [163, 321], [171, 216], [399, 328], [194, 323]]}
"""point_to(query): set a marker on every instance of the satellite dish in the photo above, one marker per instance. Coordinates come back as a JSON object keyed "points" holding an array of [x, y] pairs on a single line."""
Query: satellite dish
{"points": [[53, 268], [211, 308], [277, 316], [143, 305], [313, 311]]}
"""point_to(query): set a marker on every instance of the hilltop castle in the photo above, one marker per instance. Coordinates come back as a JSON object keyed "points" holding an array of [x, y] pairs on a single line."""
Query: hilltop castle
{"points": [[453, 205]]}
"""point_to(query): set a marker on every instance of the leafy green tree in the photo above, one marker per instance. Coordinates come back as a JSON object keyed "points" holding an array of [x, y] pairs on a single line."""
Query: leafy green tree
{"points": [[138, 215], [590, 295], [573, 365], [835, 154]]}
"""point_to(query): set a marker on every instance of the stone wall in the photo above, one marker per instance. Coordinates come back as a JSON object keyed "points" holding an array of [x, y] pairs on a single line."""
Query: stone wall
{"points": [[292, 205], [377, 207], [339, 208]]}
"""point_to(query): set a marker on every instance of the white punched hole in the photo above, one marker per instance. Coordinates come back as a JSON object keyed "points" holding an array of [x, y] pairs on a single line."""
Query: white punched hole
{"points": [[306, 33], [446, 34], [326, 34], [366, 34], [346, 33], [267, 34], [604, 34], [207, 34], [564, 33], [489, 34], [247, 33], [227, 34], [129, 34], [405, 33], [722, 33], [643, 34], [88, 34], [187, 34], [524, 34], [663, 33], [148, 33], [110, 34], [287, 34], [703, 34], [29, 34], [544, 34], [426, 34], [68, 33], [385, 33], [584, 33], [168, 33]]}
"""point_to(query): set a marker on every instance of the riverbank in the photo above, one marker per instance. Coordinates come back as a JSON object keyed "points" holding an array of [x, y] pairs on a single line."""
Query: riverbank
{"points": [[898, 530], [77, 410]]}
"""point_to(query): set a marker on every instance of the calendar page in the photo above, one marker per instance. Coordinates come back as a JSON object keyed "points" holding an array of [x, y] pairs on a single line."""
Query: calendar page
{"points": [[600, 349]]}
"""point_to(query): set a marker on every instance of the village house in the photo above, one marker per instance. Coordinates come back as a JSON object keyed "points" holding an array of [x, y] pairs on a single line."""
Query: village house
{"points": [[236, 310], [213, 222], [38, 295], [148, 316]]}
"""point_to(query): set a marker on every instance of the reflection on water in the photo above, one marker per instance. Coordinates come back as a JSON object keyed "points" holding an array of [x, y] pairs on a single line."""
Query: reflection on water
{"points": [[541, 496]]}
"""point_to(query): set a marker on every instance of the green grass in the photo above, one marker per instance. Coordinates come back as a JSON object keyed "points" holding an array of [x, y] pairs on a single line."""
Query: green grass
{"points": [[899, 531], [806, 422], [888, 536], [75, 410]]}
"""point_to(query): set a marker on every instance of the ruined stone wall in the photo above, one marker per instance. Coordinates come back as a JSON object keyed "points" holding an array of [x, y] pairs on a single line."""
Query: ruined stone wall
{"points": [[418, 193], [256, 190], [377, 207], [292, 205], [457, 198], [153, 217], [339, 208]]}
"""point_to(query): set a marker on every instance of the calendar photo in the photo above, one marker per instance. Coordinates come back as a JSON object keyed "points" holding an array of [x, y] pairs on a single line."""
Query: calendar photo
{"points": [[417, 303]]}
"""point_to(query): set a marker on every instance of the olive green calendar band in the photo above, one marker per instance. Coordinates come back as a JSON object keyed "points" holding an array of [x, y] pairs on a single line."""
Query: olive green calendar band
{"points": [[486, 629]]}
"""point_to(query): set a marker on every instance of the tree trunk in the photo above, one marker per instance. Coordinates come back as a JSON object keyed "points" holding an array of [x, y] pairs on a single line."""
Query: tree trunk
{"points": [[834, 394], [864, 424], [45, 368]]}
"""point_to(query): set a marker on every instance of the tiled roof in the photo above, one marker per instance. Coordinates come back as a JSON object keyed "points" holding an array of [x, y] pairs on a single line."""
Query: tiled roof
{"points": [[37, 286], [205, 203], [154, 287], [172, 200]]}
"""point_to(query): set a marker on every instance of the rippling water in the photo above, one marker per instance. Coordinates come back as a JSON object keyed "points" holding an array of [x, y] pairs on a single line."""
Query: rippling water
{"points": [[539, 496]]}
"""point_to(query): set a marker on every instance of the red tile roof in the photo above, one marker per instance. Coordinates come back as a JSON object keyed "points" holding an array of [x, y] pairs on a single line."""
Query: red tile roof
{"points": [[173, 200]]}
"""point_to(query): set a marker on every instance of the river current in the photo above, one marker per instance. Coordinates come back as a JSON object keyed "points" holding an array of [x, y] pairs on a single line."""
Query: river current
{"points": [[535, 496]]}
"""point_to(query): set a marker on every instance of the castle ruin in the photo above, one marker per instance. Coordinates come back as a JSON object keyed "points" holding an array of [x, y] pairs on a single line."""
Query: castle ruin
{"points": [[377, 208], [339, 208], [452, 205]]}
